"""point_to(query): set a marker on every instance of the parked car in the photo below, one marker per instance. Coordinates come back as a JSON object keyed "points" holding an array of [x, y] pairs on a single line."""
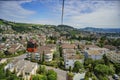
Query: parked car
{"points": [[116, 77]]}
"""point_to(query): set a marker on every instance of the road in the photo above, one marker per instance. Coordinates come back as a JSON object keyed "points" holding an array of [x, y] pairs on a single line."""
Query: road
{"points": [[23, 56], [60, 73]]}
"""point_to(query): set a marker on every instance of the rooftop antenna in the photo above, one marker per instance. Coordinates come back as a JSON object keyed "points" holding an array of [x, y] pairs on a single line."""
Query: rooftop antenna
{"points": [[62, 12]]}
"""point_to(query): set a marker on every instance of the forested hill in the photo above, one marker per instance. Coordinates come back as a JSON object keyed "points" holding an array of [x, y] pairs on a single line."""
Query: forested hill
{"points": [[25, 27]]}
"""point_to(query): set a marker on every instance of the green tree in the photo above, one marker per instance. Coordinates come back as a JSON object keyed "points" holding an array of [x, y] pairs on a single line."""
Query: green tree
{"points": [[77, 66], [4, 39], [7, 73], [77, 52], [88, 74], [39, 77], [106, 60], [56, 55], [88, 63], [103, 70], [52, 75], [117, 68], [101, 77], [96, 62], [43, 57], [70, 69], [42, 69], [60, 50]]}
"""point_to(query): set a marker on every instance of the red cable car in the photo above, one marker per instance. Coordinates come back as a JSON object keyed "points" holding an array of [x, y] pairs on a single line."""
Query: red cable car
{"points": [[31, 46]]}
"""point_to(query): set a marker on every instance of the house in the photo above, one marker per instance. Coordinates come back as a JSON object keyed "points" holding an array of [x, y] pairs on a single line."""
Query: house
{"points": [[110, 47], [47, 50], [70, 57], [22, 68], [35, 56], [94, 52], [68, 46], [48, 55], [114, 56], [14, 48]]}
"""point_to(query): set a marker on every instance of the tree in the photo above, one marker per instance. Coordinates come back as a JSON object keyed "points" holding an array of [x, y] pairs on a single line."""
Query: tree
{"points": [[60, 50], [96, 62], [77, 52], [88, 74], [70, 76], [56, 55], [43, 57], [106, 60], [4, 39], [7, 73], [52, 75], [42, 70], [39, 77], [70, 69], [101, 77], [117, 68], [88, 62], [103, 70], [77, 66]]}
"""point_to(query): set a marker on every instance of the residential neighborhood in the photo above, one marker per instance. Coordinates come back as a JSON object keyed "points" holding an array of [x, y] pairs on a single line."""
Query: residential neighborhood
{"points": [[62, 55], [59, 40]]}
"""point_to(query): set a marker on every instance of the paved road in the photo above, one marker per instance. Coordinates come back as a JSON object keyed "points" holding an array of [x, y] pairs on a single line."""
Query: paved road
{"points": [[23, 56], [60, 73]]}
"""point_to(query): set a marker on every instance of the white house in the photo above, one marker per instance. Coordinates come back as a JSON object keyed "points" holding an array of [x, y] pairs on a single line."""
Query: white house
{"points": [[94, 52], [70, 57], [22, 68], [114, 56], [48, 51]]}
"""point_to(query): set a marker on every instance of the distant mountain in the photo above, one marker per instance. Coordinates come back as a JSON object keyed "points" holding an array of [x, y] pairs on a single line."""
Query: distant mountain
{"points": [[101, 30]]}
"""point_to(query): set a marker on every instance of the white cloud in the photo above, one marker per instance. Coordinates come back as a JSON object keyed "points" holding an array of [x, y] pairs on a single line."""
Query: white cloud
{"points": [[11, 10], [92, 13], [78, 13]]}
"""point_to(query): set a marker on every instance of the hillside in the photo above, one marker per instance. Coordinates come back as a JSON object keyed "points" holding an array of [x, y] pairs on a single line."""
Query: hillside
{"points": [[8, 26]]}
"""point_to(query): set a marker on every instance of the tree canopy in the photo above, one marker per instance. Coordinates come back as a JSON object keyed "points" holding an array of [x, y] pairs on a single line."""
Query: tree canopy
{"points": [[77, 66], [103, 70]]}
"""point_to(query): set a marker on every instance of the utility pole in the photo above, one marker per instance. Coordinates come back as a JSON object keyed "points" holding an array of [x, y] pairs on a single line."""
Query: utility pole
{"points": [[62, 12]]}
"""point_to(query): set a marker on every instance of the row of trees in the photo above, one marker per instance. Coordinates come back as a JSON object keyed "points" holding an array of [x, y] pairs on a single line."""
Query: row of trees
{"points": [[101, 68]]}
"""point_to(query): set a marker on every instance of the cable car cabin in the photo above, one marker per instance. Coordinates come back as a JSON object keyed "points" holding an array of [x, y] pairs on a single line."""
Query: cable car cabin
{"points": [[31, 46]]}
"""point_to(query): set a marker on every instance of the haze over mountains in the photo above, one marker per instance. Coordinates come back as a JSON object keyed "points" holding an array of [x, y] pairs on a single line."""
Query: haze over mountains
{"points": [[101, 30]]}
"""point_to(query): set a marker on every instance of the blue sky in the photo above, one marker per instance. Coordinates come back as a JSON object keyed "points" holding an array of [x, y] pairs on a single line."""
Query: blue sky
{"points": [[78, 13]]}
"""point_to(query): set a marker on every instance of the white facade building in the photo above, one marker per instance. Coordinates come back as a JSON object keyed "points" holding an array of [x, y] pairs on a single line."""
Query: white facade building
{"points": [[114, 56], [22, 68], [70, 57], [94, 52]]}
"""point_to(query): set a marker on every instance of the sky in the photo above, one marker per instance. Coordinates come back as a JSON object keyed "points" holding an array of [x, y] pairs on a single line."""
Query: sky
{"points": [[77, 13]]}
